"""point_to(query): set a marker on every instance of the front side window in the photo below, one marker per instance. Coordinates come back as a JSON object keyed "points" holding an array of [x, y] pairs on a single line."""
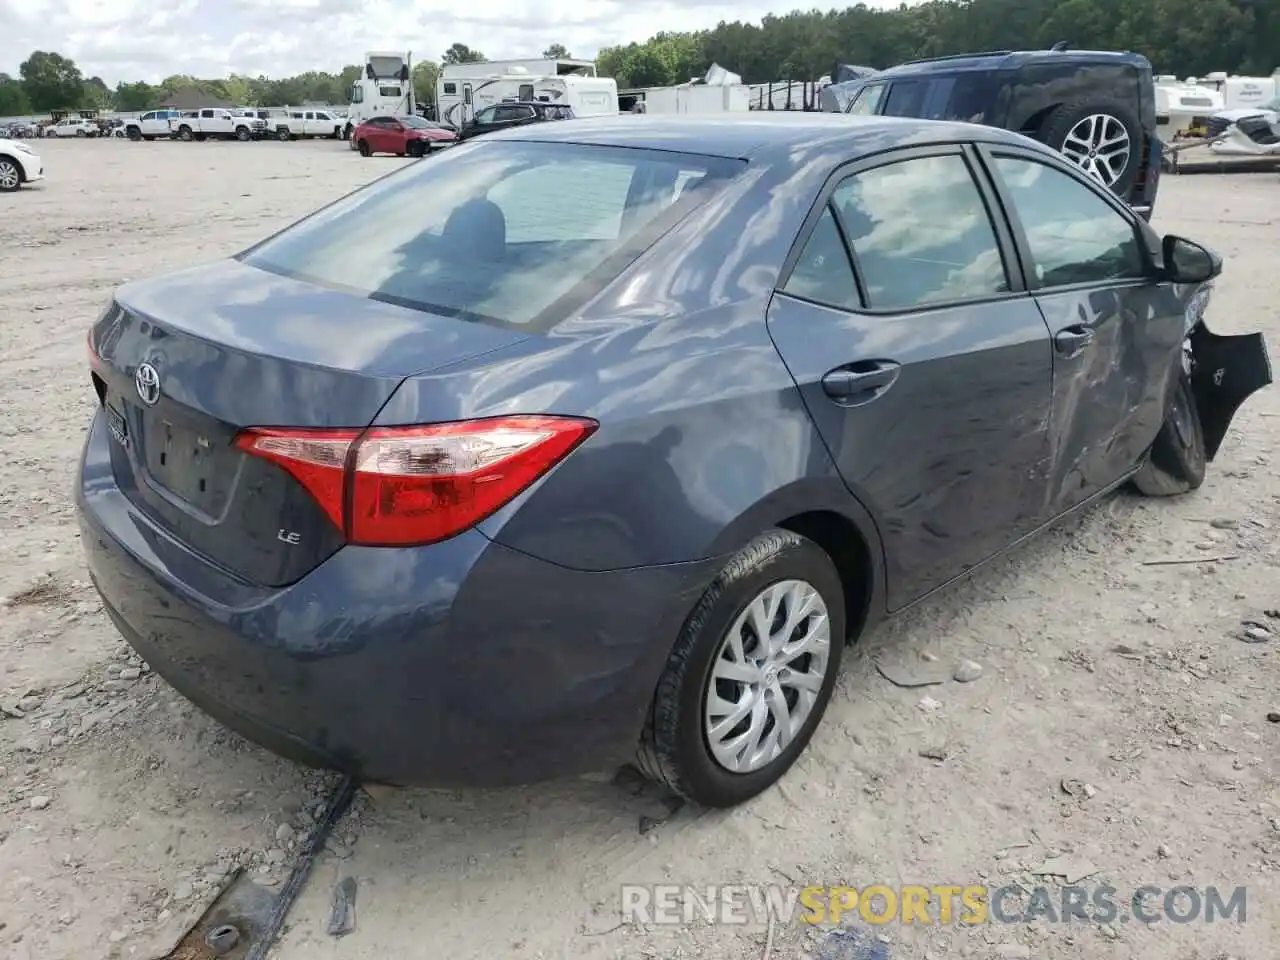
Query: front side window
{"points": [[1075, 235], [487, 115], [493, 231], [867, 100], [357, 94], [921, 233], [148, 116]]}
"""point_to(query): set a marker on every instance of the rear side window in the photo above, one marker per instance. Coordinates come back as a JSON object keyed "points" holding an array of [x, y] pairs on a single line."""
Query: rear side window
{"points": [[906, 99], [966, 97], [495, 231], [822, 272], [920, 233], [1075, 235]]}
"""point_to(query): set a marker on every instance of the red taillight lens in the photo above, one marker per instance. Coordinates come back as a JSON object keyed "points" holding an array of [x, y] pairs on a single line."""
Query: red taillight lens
{"points": [[401, 486]]}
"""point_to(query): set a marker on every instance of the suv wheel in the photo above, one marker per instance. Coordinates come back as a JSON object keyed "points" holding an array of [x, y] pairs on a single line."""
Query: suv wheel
{"points": [[1104, 139], [750, 675]]}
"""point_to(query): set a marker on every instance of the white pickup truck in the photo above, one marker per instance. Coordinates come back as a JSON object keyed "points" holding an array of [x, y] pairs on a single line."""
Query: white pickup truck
{"points": [[307, 123], [151, 125], [213, 123]]}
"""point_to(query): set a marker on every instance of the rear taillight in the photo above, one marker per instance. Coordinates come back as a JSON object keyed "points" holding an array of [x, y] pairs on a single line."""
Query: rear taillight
{"points": [[403, 486]]}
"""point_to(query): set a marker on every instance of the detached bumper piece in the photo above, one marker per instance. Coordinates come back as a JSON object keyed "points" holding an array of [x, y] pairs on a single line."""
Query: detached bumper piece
{"points": [[1228, 371]]}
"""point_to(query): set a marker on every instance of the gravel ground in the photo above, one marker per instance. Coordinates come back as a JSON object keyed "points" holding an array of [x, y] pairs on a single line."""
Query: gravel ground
{"points": [[1119, 717]]}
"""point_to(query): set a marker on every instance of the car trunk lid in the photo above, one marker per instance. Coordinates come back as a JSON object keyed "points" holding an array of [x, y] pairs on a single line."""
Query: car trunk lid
{"points": [[185, 363]]}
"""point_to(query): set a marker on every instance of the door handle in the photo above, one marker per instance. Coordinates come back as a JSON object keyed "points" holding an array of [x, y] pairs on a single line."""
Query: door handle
{"points": [[860, 382], [1073, 341]]}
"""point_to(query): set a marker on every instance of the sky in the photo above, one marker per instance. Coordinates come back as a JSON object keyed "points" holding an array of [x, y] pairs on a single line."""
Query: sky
{"points": [[152, 39]]}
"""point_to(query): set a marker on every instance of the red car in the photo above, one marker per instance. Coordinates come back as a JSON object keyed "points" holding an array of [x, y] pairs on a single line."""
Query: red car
{"points": [[403, 136]]}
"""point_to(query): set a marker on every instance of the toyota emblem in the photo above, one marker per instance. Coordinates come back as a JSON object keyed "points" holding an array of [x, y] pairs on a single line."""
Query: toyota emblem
{"points": [[147, 382]]}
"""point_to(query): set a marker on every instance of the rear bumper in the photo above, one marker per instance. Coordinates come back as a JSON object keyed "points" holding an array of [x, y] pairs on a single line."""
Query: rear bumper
{"points": [[460, 663]]}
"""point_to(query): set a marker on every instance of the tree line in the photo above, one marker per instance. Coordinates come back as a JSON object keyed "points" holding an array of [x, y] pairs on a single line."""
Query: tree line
{"points": [[1184, 37]]}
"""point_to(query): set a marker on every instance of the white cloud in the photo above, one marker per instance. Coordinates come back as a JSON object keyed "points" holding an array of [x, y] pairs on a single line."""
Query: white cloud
{"points": [[139, 40]]}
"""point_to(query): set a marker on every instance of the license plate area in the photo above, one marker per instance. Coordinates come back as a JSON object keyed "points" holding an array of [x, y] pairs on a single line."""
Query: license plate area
{"points": [[196, 469]]}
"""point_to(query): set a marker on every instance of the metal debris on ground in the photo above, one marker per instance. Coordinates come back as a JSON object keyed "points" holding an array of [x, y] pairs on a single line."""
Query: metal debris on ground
{"points": [[222, 939], [342, 918], [254, 912]]}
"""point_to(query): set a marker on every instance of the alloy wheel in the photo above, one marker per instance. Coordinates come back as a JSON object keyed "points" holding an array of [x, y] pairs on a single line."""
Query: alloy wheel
{"points": [[767, 675], [9, 178], [1099, 144]]}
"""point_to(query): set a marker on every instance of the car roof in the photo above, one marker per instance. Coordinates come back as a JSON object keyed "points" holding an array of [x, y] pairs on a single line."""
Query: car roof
{"points": [[755, 134], [1007, 60]]}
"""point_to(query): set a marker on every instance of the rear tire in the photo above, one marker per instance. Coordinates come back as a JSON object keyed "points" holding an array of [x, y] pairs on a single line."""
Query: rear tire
{"points": [[1177, 460], [1073, 128], [363, 147], [719, 635]]}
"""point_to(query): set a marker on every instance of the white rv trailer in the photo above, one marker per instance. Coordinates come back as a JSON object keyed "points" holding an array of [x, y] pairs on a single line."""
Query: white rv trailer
{"points": [[1240, 92], [459, 100], [1183, 109], [686, 98], [385, 88], [558, 67]]}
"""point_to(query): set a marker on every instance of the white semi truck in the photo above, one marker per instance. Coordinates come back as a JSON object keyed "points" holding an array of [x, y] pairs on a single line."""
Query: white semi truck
{"points": [[385, 89]]}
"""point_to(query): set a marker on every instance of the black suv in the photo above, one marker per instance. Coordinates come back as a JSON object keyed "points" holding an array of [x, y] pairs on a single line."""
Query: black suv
{"points": [[1097, 108], [514, 114]]}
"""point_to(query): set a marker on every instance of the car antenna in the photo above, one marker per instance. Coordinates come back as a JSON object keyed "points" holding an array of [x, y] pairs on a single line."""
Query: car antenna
{"points": [[1058, 47]]}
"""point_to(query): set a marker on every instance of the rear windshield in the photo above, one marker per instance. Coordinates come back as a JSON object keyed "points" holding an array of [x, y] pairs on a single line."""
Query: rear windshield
{"points": [[497, 231]]}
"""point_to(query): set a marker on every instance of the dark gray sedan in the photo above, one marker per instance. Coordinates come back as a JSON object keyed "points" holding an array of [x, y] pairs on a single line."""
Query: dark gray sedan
{"points": [[598, 439]]}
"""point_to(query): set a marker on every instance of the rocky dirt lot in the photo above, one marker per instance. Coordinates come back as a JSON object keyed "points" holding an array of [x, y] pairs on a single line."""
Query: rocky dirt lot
{"points": [[1120, 716]]}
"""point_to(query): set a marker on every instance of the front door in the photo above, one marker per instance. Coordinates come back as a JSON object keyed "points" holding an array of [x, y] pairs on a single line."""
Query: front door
{"points": [[1117, 332], [926, 367], [468, 104]]}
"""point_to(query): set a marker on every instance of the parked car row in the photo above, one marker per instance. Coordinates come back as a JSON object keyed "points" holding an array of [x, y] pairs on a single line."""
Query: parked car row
{"points": [[245, 123], [417, 136]]}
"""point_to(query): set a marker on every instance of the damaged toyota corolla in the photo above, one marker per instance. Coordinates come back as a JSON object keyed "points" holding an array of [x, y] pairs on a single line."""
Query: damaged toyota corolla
{"points": [[595, 442]]}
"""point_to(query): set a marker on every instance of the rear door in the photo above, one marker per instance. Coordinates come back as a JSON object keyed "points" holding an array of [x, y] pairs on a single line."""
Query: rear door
{"points": [[926, 366], [1117, 331]]}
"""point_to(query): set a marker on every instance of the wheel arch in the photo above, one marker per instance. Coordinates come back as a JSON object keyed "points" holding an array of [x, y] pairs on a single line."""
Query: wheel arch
{"points": [[824, 511], [18, 164]]}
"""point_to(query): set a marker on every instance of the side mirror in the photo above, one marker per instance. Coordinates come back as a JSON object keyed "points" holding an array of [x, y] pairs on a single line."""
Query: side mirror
{"points": [[1186, 261]]}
